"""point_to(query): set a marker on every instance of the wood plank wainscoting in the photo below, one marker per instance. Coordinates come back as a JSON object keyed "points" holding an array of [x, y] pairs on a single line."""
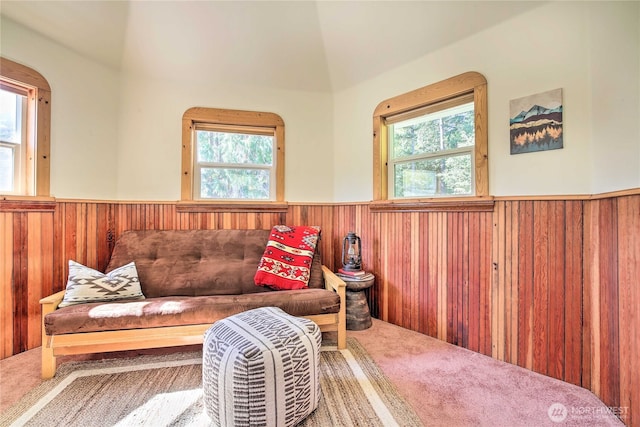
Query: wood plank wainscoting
{"points": [[549, 284]]}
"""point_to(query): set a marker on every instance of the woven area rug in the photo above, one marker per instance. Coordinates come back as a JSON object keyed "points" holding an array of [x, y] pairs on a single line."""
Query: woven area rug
{"points": [[166, 391]]}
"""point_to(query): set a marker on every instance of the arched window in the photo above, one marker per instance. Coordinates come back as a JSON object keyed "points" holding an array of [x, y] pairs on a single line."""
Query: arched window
{"points": [[232, 156], [25, 130], [431, 143]]}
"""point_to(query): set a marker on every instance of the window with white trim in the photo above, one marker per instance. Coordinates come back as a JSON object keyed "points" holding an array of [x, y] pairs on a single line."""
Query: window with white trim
{"points": [[13, 138], [25, 130], [232, 156], [234, 162], [431, 150], [431, 143]]}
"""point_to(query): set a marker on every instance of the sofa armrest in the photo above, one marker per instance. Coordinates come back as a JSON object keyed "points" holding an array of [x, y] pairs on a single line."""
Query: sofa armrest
{"points": [[336, 284], [49, 304]]}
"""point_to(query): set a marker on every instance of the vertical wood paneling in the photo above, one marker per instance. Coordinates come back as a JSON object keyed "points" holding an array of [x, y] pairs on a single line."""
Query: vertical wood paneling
{"points": [[590, 299], [573, 326], [441, 252], [498, 283], [548, 285], [537, 314], [20, 281], [540, 287], [629, 326], [511, 276], [475, 260], [485, 282], [416, 294], [431, 277], [451, 282], [611, 314], [604, 297], [525, 286], [34, 279], [556, 291], [463, 328], [91, 236], [47, 247], [6, 285]]}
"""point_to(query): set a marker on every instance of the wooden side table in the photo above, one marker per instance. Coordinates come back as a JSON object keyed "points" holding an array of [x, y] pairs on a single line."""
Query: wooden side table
{"points": [[358, 315]]}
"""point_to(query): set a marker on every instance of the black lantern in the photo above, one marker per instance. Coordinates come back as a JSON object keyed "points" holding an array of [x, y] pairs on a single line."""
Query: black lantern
{"points": [[351, 252]]}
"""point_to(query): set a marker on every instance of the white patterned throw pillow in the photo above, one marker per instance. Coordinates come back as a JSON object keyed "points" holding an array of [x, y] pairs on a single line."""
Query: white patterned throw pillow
{"points": [[88, 285]]}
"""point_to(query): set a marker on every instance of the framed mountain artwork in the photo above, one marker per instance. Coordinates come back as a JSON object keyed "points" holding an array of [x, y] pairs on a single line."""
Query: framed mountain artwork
{"points": [[536, 122]]}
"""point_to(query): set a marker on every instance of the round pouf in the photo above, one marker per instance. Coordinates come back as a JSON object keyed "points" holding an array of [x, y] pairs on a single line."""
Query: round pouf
{"points": [[261, 368]]}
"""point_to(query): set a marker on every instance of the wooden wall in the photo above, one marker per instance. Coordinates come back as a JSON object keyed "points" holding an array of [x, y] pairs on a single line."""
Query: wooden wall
{"points": [[611, 303], [549, 285]]}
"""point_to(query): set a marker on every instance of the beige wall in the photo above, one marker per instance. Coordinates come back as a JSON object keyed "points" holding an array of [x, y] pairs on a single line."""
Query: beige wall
{"points": [[150, 128], [85, 99], [589, 49], [117, 136], [614, 55]]}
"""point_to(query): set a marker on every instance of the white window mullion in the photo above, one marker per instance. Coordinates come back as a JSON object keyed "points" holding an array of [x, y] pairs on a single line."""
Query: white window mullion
{"points": [[14, 139], [445, 153], [247, 185], [233, 165], [272, 174], [429, 178]]}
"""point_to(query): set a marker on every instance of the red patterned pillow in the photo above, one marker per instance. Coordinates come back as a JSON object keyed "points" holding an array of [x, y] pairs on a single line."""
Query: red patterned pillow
{"points": [[286, 262]]}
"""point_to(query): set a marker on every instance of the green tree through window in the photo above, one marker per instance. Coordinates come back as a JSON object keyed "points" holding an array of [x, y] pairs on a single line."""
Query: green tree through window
{"points": [[430, 143], [232, 156], [431, 154], [234, 165]]}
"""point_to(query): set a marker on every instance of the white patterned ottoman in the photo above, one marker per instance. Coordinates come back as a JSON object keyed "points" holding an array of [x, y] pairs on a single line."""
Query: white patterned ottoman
{"points": [[261, 368]]}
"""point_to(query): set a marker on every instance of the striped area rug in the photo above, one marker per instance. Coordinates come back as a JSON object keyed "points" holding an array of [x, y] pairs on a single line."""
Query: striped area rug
{"points": [[166, 391]]}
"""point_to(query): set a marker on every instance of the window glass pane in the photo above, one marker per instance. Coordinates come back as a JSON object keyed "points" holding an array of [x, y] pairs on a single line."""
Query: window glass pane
{"points": [[6, 169], [218, 183], [441, 176], [435, 132], [10, 117], [237, 148]]}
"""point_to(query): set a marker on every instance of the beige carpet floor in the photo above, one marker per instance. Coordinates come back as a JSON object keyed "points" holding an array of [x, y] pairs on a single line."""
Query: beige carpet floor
{"points": [[446, 385], [166, 390]]}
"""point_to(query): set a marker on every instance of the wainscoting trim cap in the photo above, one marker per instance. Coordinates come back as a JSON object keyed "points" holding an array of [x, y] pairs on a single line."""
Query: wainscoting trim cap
{"points": [[560, 197], [474, 204], [264, 207], [27, 203]]}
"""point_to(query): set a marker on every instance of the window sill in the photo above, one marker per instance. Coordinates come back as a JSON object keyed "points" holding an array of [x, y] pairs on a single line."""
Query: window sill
{"points": [[27, 203], [225, 206], [458, 204]]}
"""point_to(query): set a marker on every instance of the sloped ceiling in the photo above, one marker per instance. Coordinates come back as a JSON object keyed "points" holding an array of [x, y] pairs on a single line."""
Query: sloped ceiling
{"points": [[299, 45]]}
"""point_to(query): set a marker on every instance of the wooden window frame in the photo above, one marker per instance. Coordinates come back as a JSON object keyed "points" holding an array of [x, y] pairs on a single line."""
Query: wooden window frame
{"points": [[39, 134], [463, 84], [24, 149], [226, 117]]}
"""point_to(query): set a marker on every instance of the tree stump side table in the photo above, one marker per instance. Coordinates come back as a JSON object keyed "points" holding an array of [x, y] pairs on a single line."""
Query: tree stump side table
{"points": [[358, 315]]}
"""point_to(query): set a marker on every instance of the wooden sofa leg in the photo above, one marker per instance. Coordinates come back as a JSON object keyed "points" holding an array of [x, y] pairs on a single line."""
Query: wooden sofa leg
{"points": [[48, 360], [342, 338]]}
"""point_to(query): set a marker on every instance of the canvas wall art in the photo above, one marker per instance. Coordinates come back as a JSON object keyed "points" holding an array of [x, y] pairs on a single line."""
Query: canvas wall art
{"points": [[536, 122]]}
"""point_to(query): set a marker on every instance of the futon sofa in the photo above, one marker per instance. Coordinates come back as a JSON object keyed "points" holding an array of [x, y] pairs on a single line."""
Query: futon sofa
{"points": [[190, 279]]}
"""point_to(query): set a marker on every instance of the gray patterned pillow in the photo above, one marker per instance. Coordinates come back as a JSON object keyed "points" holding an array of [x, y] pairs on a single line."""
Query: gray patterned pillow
{"points": [[88, 285]]}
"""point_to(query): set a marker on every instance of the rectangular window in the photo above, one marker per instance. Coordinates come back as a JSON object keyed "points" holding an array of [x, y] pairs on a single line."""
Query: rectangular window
{"points": [[13, 139], [234, 162], [432, 150]]}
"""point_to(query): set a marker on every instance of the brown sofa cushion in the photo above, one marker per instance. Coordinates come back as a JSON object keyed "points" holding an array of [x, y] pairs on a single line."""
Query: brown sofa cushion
{"points": [[178, 311], [197, 262]]}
